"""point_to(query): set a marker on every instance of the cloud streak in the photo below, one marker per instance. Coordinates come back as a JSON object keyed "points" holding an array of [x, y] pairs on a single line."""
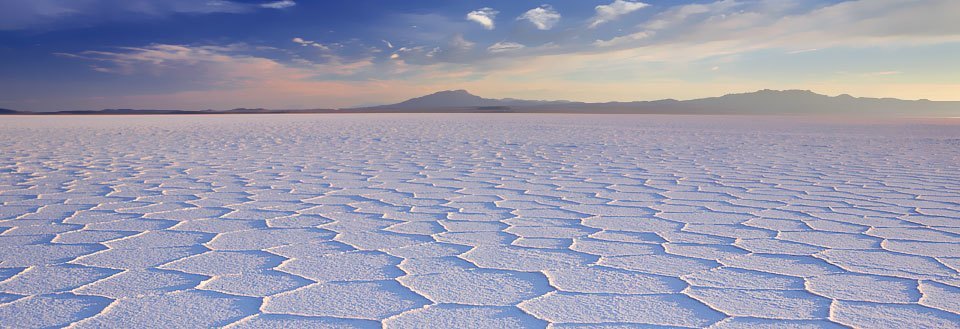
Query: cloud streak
{"points": [[728, 27], [50, 14], [504, 46], [279, 4], [229, 78]]}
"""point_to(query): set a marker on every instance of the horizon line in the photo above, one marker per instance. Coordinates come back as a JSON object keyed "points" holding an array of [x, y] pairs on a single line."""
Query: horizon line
{"points": [[362, 106]]}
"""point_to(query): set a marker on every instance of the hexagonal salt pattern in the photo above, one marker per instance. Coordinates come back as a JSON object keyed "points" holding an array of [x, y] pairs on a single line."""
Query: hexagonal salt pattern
{"points": [[472, 221]]}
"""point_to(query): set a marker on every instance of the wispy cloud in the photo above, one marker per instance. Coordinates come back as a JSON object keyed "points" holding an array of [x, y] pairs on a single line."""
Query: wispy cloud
{"points": [[882, 73], [484, 17], [279, 4], [543, 17], [48, 14], [801, 51], [308, 43], [728, 27], [220, 63], [613, 11], [461, 43], [505, 46], [229, 77]]}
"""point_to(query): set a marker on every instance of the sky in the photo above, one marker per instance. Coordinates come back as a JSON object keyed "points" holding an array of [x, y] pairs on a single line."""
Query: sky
{"points": [[286, 54]]}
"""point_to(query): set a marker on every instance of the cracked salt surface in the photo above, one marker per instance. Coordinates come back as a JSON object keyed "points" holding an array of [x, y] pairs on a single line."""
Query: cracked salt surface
{"points": [[459, 221]]}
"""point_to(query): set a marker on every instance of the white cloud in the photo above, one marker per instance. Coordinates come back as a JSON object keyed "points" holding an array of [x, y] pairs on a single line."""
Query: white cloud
{"points": [[279, 4], [543, 17], [505, 46], [484, 17], [613, 11], [308, 43]]}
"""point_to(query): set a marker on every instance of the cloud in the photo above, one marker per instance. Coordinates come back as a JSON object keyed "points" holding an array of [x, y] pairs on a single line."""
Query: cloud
{"points": [[731, 27], [220, 63], [308, 43], [801, 51], [543, 17], [228, 76], [279, 4], [504, 46], [883, 73], [407, 50], [693, 31], [624, 39], [52, 14], [613, 11], [484, 17], [167, 59], [459, 42]]}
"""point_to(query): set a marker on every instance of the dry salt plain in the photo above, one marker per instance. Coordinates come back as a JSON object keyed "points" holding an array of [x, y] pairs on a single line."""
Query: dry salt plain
{"points": [[460, 221]]}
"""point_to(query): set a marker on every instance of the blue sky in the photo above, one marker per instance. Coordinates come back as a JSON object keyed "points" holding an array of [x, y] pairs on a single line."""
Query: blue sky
{"points": [[220, 54]]}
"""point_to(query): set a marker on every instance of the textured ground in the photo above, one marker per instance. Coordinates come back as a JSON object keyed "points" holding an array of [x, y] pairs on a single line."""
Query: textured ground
{"points": [[470, 221]]}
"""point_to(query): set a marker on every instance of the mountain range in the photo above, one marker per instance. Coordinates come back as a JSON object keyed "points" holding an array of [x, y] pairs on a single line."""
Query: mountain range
{"points": [[763, 102]]}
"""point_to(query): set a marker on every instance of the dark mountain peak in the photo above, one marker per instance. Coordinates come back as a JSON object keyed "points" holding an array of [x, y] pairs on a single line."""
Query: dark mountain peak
{"points": [[444, 99], [451, 93], [773, 92], [460, 98], [454, 92]]}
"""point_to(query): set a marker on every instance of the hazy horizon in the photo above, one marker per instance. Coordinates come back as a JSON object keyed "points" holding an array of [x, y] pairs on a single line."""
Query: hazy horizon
{"points": [[378, 104], [206, 55]]}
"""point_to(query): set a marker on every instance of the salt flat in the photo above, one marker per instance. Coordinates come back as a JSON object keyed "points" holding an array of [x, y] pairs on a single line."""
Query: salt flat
{"points": [[457, 221]]}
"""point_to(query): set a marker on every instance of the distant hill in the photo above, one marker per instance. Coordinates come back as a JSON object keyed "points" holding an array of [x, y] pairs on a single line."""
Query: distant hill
{"points": [[808, 102], [763, 102]]}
